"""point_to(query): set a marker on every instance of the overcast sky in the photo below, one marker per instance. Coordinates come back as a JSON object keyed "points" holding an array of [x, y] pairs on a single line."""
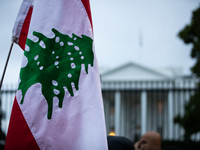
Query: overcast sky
{"points": [[140, 31]]}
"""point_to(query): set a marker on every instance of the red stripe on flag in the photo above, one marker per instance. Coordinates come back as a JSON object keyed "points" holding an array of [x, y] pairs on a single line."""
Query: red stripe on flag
{"points": [[19, 135], [86, 4], [25, 27]]}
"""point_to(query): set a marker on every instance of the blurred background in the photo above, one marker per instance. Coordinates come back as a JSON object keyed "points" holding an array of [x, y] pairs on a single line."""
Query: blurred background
{"points": [[144, 65]]}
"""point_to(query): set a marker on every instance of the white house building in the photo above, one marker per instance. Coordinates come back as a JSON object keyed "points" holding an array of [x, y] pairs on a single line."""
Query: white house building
{"points": [[138, 99]]}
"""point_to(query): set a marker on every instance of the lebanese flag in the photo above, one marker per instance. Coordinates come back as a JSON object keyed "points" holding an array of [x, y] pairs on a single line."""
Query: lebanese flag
{"points": [[58, 104]]}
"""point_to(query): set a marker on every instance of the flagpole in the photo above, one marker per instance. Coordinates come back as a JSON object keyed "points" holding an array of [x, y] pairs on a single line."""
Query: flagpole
{"points": [[4, 71]]}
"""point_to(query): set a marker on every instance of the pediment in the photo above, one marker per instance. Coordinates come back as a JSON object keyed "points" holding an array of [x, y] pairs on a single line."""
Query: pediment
{"points": [[133, 72]]}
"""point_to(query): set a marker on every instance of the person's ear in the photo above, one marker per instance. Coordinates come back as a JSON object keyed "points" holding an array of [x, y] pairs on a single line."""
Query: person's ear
{"points": [[136, 145]]}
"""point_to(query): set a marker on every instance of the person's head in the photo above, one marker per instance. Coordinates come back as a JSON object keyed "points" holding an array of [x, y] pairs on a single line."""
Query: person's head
{"points": [[151, 140]]}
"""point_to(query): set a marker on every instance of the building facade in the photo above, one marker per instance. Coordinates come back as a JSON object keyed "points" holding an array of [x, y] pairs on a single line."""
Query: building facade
{"points": [[139, 99]]}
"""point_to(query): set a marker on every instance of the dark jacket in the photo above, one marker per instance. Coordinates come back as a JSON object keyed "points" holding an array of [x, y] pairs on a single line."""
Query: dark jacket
{"points": [[119, 143]]}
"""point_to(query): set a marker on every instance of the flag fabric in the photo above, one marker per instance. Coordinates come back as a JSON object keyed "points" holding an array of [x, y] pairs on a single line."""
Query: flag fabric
{"points": [[21, 26], [58, 103]]}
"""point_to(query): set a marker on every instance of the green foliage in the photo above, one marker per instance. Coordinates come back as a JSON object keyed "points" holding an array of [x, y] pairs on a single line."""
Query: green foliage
{"points": [[191, 35], [56, 64], [190, 121], [180, 145]]}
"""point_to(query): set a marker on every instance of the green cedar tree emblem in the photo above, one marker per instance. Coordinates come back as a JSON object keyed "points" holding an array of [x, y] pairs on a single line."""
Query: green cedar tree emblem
{"points": [[56, 64]]}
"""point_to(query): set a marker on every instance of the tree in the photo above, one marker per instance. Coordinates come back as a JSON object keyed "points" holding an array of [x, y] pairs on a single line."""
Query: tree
{"points": [[2, 134], [191, 35], [190, 121]]}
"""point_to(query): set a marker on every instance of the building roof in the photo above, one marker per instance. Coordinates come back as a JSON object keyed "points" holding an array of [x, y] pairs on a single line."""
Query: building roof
{"points": [[135, 72]]}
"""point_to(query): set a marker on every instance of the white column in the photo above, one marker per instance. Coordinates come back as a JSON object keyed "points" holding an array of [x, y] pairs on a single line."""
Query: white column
{"points": [[117, 112], [170, 119], [143, 112], [107, 113]]}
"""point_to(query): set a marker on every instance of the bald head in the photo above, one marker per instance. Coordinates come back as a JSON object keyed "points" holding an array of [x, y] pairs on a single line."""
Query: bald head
{"points": [[153, 136], [151, 140]]}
